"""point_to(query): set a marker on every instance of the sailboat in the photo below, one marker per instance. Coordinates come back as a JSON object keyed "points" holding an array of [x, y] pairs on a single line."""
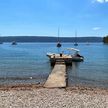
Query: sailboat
{"points": [[1, 41], [75, 44], [64, 58], [58, 43], [14, 43]]}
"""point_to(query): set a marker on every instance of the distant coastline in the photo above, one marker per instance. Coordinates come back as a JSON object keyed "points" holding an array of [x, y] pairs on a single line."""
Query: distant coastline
{"points": [[49, 39]]}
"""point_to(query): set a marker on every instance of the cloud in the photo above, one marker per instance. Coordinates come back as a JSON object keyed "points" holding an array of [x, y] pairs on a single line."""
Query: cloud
{"points": [[100, 1], [96, 28]]}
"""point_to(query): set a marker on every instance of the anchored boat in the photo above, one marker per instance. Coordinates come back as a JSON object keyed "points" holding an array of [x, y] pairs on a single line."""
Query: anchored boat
{"points": [[1, 42], [76, 57], [14, 43], [65, 58], [75, 44]]}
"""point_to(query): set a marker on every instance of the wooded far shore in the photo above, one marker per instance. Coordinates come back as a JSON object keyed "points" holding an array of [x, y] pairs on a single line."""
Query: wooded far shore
{"points": [[49, 39]]}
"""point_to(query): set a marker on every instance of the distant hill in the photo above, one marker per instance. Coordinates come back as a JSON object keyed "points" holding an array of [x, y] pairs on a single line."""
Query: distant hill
{"points": [[48, 39]]}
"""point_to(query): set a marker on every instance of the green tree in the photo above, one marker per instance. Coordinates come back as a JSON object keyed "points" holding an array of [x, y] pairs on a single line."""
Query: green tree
{"points": [[105, 39]]}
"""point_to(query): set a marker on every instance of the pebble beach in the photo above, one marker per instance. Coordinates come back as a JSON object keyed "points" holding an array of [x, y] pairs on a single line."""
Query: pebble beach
{"points": [[36, 96]]}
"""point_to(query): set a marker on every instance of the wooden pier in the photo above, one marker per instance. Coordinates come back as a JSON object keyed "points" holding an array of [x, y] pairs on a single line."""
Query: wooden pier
{"points": [[57, 78], [67, 59]]}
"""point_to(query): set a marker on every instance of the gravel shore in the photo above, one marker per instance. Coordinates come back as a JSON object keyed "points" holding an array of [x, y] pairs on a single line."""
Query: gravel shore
{"points": [[39, 97]]}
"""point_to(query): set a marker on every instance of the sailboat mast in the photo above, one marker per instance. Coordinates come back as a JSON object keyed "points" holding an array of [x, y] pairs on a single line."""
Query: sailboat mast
{"points": [[58, 44], [58, 34], [75, 36]]}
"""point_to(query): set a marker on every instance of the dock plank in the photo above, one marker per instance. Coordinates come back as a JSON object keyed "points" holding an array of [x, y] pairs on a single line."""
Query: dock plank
{"points": [[57, 78]]}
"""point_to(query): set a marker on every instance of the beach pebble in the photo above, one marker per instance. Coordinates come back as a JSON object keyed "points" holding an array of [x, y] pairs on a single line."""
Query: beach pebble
{"points": [[51, 98]]}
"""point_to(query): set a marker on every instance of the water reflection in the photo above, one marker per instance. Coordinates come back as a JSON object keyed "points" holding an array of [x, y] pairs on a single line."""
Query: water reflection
{"points": [[73, 73], [75, 65], [30, 60]]}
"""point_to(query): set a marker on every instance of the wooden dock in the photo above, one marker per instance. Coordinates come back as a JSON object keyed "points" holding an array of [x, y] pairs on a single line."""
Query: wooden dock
{"points": [[54, 58], [57, 78]]}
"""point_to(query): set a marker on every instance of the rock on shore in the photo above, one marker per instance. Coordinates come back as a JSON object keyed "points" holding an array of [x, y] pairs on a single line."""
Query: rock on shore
{"points": [[52, 98]]}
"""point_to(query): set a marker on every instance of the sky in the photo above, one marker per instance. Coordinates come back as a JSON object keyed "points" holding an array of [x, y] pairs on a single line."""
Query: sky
{"points": [[44, 17]]}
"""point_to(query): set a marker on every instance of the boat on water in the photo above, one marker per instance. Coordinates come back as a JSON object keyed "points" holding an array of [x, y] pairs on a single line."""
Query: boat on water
{"points": [[14, 43], [87, 43], [75, 44], [1, 42], [59, 45], [76, 57], [58, 39], [66, 58]]}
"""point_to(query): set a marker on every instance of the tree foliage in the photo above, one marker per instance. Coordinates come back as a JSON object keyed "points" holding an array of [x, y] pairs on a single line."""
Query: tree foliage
{"points": [[105, 39]]}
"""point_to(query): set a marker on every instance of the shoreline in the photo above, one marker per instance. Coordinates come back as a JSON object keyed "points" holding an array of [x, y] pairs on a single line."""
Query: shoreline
{"points": [[77, 88], [36, 96]]}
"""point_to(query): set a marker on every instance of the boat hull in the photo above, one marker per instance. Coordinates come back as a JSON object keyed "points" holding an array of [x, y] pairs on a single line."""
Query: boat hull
{"points": [[77, 59], [63, 58]]}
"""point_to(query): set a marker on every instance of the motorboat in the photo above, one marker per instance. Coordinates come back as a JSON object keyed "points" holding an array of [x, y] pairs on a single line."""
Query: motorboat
{"points": [[66, 58], [76, 57]]}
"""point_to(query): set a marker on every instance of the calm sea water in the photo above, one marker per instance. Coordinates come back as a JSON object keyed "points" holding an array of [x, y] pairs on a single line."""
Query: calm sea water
{"points": [[28, 63]]}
